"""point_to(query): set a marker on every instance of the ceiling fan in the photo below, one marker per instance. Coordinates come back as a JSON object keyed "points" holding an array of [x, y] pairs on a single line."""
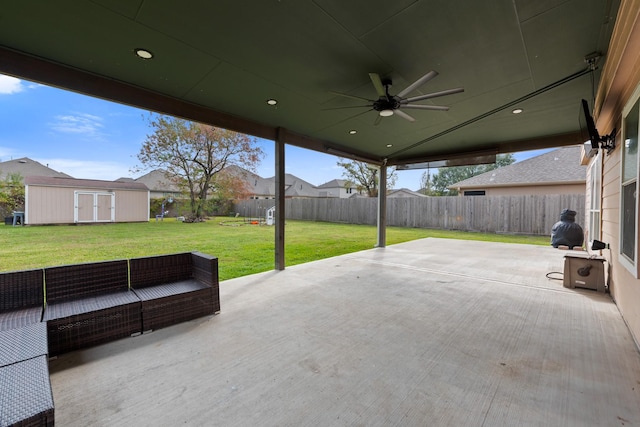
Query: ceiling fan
{"points": [[387, 105]]}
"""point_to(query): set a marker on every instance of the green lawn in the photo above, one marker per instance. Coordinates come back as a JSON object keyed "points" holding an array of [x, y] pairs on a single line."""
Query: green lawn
{"points": [[241, 249]]}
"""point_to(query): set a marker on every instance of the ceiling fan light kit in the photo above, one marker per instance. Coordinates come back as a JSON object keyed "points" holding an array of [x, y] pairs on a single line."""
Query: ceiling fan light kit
{"points": [[388, 105]]}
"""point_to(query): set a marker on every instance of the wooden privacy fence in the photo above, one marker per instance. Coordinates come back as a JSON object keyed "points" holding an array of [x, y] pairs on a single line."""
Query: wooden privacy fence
{"points": [[528, 214]]}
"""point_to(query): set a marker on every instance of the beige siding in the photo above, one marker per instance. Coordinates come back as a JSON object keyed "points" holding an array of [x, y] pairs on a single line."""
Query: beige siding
{"points": [[621, 77], [624, 287], [56, 205], [534, 190], [132, 206], [49, 205]]}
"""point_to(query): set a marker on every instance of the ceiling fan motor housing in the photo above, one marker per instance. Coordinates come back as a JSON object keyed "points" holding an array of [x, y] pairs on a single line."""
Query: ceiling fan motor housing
{"points": [[386, 104]]}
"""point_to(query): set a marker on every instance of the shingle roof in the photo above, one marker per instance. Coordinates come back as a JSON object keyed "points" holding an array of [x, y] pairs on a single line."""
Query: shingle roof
{"points": [[560, 166], [28, 167], [255, 184], [404, 192], [334, 183], [156, 180]]}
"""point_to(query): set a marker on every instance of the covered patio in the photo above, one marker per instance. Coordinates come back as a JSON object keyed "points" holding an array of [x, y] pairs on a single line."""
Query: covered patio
{"points": [[429, 332]]}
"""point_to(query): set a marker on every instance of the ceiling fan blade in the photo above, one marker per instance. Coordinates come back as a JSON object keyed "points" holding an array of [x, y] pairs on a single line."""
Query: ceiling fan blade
{"points": [[404, 115], [432, 95], [413, 86], [425, 107], [344, 108], [350, 96], [377, 83], [377, 120]]}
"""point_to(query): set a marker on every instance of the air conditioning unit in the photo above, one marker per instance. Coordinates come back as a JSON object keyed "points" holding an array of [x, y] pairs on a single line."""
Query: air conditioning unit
{"points": [[584, 271]]}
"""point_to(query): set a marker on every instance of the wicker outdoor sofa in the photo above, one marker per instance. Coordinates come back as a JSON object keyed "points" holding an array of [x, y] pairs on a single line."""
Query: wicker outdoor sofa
{"points": [[54, 310], [175, 288], [25, 391]]}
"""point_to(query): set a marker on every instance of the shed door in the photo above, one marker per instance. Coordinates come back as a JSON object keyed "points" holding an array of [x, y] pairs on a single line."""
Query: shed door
{"points": [[84, 207], [104, 207], [94, 207]]}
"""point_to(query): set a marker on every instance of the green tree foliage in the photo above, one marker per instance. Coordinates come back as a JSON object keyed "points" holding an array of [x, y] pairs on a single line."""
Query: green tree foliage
{"points": [[437, 184], [364, 177], [194, 154], [11, 193]]}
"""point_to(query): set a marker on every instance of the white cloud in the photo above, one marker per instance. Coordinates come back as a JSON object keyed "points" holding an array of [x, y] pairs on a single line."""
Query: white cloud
{"points": [[80, 123], [88, 169], [10, 85]]}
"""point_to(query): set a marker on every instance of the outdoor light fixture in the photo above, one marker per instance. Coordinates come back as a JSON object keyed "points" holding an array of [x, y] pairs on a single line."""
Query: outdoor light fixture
{"points": [[389, 145], [143, 53], [597, 245], [517, 111], [272, 102], [386, 113], [353, 132]]}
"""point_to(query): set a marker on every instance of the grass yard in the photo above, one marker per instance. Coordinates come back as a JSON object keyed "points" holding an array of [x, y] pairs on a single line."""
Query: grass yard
{"points": [[241, 249]]}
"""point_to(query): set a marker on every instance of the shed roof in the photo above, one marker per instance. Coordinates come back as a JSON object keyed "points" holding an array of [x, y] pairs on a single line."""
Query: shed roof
{"points": [[84, 183], [560, 166]]}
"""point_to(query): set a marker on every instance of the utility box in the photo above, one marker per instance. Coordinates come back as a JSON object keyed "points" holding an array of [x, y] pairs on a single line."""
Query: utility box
{"points": [[583, 271]]}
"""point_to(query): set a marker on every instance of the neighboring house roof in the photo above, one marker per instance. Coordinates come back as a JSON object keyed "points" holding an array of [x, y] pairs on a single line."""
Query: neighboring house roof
{"points": [[157, 181], [28, 167], [404, 192], [334, 183], [255, 184], [560, 166], [297, 187], [83, 183]]}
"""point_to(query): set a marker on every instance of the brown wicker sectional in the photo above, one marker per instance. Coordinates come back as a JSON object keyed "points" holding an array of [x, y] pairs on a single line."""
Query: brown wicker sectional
{"points": [[21, 298], [175, 288], [25, 390], [89, 304], [51, 311]]}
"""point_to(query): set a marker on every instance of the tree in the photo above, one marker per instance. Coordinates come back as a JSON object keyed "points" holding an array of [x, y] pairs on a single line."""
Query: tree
{"points": [[426, 183], [12, 193], [364, 176], [450, 175], [194, 154]]}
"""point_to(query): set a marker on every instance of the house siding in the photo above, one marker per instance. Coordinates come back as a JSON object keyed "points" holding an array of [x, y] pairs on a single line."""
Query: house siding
{"points": [[534, 190], [621, 77]]}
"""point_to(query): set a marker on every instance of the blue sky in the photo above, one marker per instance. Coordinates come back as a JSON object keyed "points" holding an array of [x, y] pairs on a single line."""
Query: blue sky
{"points": [[91, 138]]}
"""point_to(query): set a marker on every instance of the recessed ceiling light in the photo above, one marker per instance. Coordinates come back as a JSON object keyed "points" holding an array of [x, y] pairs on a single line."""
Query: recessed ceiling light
{"points": [[517, 111], [353, 132], [272, 101], [389, 145], [143, 53], [386, 113]]}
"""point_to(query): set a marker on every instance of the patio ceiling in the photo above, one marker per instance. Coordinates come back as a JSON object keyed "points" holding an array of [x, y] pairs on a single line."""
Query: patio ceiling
{"points": [[220, 61]]}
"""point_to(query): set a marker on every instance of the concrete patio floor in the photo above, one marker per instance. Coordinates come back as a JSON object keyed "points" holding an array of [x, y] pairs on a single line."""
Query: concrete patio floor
{"points": [[432, 332]]}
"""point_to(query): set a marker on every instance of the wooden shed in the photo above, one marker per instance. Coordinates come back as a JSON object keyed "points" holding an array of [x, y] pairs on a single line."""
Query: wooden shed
{"points": [[54, 200]]}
